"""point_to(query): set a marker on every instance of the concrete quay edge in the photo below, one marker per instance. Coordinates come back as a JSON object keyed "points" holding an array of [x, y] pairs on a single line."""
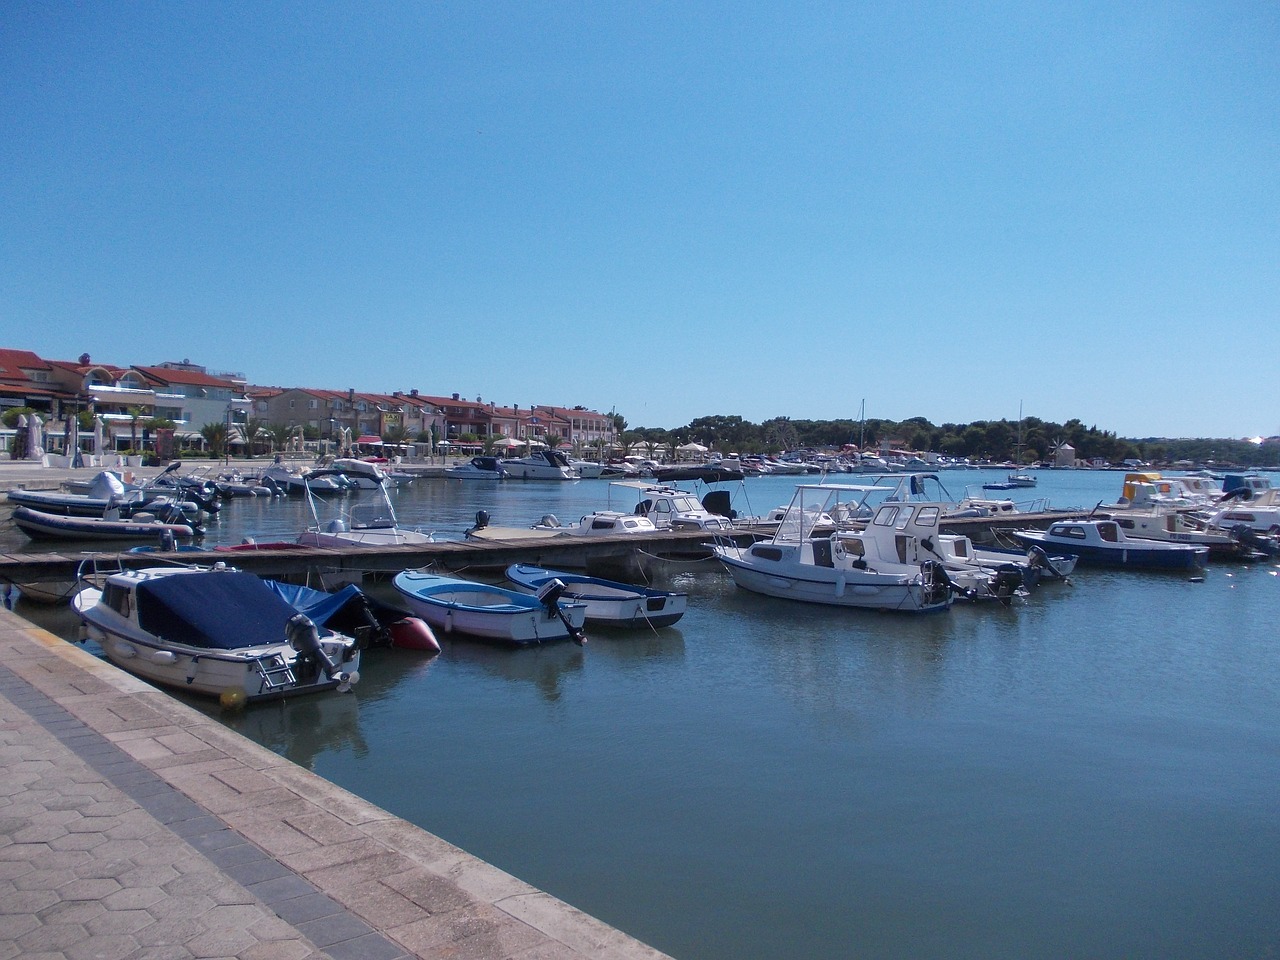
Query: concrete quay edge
{"points": [[286, 843]]}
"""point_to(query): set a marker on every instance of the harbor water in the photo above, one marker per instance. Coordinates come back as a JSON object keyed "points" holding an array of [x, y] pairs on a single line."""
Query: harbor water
{"points": [[1090, 772]]}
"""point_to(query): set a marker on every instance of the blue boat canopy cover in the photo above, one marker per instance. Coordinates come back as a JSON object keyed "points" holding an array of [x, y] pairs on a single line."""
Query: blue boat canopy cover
{"points": [[220, 611], [316, 604]]}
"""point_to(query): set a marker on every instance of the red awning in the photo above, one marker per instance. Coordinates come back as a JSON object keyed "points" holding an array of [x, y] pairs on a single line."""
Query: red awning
{"points": [[369, 439]]}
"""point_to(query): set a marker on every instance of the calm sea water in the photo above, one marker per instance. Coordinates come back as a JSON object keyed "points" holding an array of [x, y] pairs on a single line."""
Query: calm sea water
{"points": [[1091, 773]]}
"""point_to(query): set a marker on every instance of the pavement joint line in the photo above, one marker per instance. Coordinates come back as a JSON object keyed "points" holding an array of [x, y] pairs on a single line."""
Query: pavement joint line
{"points": [[178, 813]]}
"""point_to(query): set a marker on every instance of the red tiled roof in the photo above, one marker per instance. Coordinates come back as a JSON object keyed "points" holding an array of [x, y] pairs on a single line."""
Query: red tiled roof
{"points": [[168, 375], [13, 362]]}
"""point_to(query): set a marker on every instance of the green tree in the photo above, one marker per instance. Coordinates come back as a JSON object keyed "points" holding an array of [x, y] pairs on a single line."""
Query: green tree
{"points": [[215, 435], [255, 429]]}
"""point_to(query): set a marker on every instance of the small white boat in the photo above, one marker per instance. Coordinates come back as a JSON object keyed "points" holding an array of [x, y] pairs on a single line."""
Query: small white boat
{"points": [[608, 603], [541, 465], [491, 612], [599, 523], [213, 631], [361, 524]]}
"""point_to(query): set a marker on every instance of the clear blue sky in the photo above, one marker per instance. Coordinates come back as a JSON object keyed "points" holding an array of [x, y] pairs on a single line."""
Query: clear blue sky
{"points": [[673, 210]]}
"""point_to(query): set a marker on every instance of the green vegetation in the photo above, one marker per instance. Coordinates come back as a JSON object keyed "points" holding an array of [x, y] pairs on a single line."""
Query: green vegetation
{"points": [[994, 440]]}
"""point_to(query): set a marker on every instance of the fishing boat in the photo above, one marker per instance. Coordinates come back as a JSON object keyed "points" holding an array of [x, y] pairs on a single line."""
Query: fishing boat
{"points": [[491, 612], [843, 569], [608, 602], [215, 631], [1098, 542]]}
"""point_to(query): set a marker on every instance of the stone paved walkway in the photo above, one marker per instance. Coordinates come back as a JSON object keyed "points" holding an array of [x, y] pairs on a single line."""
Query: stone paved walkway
{"points": [[134, 827]]}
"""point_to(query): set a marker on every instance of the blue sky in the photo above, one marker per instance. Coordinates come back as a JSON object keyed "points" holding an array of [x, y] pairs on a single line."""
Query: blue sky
{"points": [[671, 210]]}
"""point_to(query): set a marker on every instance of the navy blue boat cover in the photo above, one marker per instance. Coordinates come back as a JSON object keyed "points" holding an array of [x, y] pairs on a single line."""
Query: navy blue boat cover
{"points": [[316, 604], [220, 611]]}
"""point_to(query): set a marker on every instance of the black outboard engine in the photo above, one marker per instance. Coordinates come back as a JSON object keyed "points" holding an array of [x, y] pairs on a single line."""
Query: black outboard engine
{"points": [[304, 637], [549, 595], [482, 519]]}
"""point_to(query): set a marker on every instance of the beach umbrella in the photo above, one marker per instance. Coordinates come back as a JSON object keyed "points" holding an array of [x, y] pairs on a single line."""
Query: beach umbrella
{"points": [[99, 435]]}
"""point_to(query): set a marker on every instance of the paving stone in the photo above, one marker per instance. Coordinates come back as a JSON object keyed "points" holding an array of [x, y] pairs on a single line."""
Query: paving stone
{"points": [[131, 827]]}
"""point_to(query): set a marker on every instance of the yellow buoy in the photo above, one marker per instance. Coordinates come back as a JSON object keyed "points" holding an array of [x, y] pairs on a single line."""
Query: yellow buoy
{"points": [[232, 699]]}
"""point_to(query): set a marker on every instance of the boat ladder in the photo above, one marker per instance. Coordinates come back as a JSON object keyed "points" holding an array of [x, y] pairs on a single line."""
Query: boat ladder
{"points": [[275, 672]]}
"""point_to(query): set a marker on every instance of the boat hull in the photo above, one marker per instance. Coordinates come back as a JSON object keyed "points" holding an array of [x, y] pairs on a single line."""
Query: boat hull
{"points": [[45, 526], [485, 611], [608, 603], [833, 587], [1129, 554]]}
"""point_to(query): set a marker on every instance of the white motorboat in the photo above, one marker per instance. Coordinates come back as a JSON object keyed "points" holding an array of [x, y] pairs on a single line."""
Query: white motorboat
{"points": [[491, 612], [298, 483], [546, 464], [668, 507], [845, 568], [359, 523], [608, 602], [214, 631], [599, 523], [477, 468]]}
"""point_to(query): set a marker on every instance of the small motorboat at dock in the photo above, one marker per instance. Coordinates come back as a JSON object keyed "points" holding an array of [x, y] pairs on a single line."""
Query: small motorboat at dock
{"points": [[608, 602]]}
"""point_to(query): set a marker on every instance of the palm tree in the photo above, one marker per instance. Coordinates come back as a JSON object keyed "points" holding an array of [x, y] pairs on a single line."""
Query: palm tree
{"points": [[135, 414], [553, 440], [279, 434], [215, 435], [253, 428]]}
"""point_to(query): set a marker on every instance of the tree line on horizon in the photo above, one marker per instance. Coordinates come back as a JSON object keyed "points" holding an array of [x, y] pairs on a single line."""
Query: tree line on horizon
{"points": [[995, 440]]}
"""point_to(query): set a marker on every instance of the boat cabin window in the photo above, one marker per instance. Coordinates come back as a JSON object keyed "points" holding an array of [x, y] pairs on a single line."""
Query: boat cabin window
{"points": [[1127, 524], [766, 553], [118, 598], [885, 516], [602, 525], [1108, 532], [1064, 531], [927, 516]]}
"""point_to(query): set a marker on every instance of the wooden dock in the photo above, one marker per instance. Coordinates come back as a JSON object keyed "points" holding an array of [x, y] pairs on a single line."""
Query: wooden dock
{"points": [[621, 556]]}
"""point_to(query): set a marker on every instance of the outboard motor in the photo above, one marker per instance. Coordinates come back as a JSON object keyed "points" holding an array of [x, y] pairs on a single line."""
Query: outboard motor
{"points": [[482, 519], [549, 595], [304, 637]]}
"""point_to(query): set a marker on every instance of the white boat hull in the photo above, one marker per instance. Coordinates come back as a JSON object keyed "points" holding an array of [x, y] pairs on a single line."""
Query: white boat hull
{"points": [[809, 583]]}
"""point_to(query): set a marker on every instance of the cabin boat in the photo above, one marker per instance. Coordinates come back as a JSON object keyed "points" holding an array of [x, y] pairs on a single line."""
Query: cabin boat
{"points": [[670, 508], [1098, 542], [599, 523], [546, 464], [491, 612], [477, 468], [845, 568], [214, 631], [608, 602]]}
